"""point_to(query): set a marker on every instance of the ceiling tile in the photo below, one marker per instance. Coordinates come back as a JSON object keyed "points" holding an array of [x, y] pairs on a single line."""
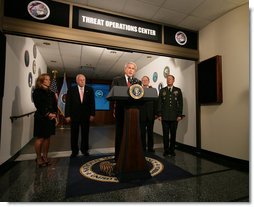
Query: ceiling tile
{"points": [[193, 23], [182, 6], [69, 49], [210, 10], [133, 7], [169, 17], [110, 5], [153, 2], [91, 55]]}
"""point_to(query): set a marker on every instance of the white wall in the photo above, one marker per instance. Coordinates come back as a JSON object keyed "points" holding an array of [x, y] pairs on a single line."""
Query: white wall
{"points": [[17, 95], [225, 127], [184, 72]]}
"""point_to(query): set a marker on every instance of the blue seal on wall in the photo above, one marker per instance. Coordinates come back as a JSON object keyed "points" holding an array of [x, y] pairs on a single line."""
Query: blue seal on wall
{"points": [[26, 58], [99, 93], [155, 76]]}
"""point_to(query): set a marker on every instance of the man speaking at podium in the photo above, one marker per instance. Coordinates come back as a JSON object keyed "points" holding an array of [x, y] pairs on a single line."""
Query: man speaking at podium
{"points": [[127, 79]]}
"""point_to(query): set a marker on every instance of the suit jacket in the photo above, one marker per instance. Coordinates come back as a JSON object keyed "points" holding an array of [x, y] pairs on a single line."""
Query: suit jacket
{"points": [[148, 110], [75, 109], [170, 104], [121, 81]]}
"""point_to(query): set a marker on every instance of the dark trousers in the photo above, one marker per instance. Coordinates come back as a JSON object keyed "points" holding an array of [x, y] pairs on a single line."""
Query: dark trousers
{"points": [[118, 134], [84, 126], [169, 127], [146, 127]]}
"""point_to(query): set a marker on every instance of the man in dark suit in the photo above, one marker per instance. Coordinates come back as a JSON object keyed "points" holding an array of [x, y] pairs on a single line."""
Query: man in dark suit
{"points": [[170, 108], [147, 115], [80, 111], [126, 80]]}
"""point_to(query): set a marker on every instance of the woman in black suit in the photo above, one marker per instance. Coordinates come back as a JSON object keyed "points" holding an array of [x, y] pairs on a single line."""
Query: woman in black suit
{"points": [[44, 118], [80, 111]]}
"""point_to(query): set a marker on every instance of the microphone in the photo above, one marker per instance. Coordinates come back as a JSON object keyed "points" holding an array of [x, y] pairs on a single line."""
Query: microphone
{"points": [[133, 80]]}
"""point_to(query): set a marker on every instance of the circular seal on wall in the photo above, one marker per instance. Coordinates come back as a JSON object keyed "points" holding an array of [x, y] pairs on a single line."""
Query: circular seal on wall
{"points": [[30, 79], [99, 93], [160, 86], [26, 58], [34, 51], [136, 91], [155, 76], [34, 67], [181, 38], [166, 72], [38, 10]]}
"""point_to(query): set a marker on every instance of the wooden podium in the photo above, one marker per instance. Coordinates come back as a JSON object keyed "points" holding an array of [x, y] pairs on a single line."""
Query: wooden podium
{"points": [[131, 163]]}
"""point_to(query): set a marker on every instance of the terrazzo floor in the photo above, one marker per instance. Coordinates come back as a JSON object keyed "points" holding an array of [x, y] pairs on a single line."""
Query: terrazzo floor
{"points": [[212, 182]]}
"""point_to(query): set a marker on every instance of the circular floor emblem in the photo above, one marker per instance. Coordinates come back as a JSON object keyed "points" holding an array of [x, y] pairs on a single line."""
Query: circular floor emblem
{"points": [[91, 170]]}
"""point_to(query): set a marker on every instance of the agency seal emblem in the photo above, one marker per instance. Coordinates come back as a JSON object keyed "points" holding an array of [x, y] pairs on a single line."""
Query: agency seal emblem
{"points": [[38, 10], [106, 169], [181, 38], [136, 91]]}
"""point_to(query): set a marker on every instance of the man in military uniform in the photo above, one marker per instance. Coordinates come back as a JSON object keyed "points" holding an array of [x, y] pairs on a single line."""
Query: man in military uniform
{"points": [[170, 107]]}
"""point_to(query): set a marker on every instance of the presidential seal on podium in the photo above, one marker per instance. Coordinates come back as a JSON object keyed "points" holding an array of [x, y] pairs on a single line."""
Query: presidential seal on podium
{"points": [[136, 91]]}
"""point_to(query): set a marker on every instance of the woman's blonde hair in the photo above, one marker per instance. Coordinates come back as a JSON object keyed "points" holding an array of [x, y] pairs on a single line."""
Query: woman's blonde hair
{"points": [[40, 80]]}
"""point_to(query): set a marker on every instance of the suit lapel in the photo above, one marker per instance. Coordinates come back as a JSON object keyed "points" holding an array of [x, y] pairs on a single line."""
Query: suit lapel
{"points": [[123, 81], [77, 94]]}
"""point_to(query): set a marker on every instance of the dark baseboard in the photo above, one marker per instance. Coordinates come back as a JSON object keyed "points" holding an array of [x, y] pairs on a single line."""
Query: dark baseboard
{"points": [[235, 163], [8, 164]]}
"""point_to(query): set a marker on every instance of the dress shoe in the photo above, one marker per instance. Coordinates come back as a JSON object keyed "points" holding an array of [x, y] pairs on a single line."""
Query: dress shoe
{"points": [[166, 153], [40, 163], [172, 153], [86, 154], [73, 155], [46, 160]]}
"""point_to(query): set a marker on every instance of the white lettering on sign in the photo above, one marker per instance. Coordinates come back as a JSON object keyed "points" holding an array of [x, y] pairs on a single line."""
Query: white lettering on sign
{"points": [[117, 25], [92, 20], [146, 31], [121, 26]]}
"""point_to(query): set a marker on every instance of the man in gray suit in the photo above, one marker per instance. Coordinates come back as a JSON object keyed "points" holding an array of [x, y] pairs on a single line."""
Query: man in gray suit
{"points": [[170, 108]]}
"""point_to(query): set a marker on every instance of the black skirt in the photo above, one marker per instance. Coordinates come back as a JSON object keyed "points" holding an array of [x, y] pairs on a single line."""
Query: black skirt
{"points": [[43, 126]]}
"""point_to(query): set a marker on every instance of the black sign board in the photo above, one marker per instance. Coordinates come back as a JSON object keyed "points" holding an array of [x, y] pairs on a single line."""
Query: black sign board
{"points": [[107, 23], [180, 37], [43, 11]]}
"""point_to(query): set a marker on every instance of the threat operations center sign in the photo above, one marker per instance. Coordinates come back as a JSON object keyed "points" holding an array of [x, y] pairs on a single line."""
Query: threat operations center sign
{"points": [[102, 22]]}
